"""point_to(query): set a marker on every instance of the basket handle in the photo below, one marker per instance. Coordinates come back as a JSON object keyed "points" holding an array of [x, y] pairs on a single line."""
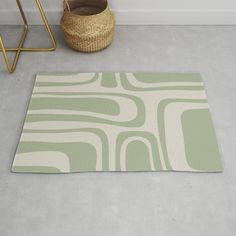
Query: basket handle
{"points": [[67, 5]]}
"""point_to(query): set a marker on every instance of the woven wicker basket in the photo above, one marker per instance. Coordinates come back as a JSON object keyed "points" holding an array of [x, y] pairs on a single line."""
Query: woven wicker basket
{"points": [[88, 25]]}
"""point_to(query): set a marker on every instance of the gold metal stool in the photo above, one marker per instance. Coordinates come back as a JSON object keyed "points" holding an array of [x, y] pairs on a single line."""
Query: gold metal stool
{"points": [[11, 67]]}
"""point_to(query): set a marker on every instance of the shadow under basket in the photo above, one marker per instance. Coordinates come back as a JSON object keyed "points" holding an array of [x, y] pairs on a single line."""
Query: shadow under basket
{"points": [[88, 25]]}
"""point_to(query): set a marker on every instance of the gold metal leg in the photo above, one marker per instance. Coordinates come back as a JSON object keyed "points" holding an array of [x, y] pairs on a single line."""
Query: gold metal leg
{"points": [[11, 68], [20, 48]]}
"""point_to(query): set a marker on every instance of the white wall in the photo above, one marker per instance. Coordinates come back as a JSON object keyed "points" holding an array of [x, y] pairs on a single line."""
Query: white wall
{"points": [[137, 11]]}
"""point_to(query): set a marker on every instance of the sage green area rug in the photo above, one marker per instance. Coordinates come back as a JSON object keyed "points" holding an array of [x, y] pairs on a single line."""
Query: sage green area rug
{"points": [[118, 122]]}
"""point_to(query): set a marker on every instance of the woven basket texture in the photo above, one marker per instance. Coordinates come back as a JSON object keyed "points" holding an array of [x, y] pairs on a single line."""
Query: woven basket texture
{"points": [[88, 25]]}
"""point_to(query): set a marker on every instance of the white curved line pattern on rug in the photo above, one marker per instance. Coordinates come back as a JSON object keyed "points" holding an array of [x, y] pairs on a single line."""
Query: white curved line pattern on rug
{"points": [[83, 77], [124, 114], [124, 149], [174, 133], [132, 80], [118, 122], [75, 137], [56, 160]]}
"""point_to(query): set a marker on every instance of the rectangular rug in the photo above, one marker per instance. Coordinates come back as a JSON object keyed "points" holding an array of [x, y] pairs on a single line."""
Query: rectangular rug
{"points": [[118, 122]]}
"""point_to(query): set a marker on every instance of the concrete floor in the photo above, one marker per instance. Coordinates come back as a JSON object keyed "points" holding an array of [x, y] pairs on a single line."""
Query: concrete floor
{"points": [[130, 203]]}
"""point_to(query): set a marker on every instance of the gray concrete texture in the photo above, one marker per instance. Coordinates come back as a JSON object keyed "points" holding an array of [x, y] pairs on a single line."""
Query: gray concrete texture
{"points": [[123, 204]]}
